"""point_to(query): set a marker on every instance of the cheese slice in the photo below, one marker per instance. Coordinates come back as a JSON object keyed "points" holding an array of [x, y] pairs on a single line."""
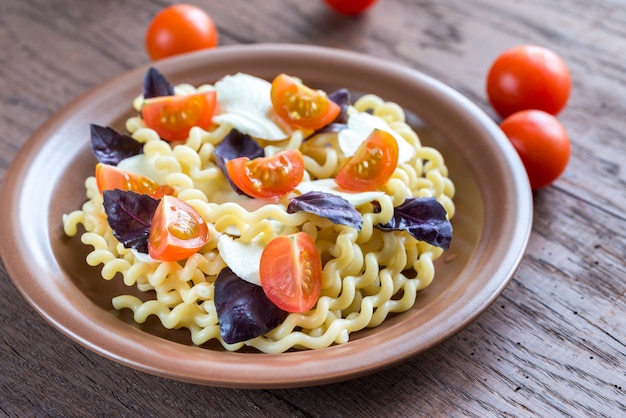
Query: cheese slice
{"points": [[242, 258], [144, 165], [245, 103]]}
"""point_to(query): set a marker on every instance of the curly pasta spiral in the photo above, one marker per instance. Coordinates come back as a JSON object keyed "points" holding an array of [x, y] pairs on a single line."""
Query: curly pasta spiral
{"points": [[365, 274]]}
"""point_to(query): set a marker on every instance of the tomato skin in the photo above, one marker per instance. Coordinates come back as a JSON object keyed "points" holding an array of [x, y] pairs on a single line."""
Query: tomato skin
{"points": [[350, 7], [172, 117], [178, 29], [267, 177], [109, 177], [300, 106], [528, 77], [177, 231], [372, 165], [541, 142], [291, 272]]}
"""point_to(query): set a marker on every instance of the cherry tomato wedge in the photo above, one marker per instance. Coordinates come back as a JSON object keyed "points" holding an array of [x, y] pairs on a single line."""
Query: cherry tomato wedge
{"points": [[372, 165], [350, 7], [178, 29], [172, 117], [267, 177], [541, 142], [528, 77], [177, 230], [301, 106], [291, 272], [109, 177]]}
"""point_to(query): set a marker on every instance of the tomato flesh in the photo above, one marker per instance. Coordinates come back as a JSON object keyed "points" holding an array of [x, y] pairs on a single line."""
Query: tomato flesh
{"points": [[109, 177], [291, 272], [267, 177], [372, 165], [177, 230], [172, 117], [178, 29], [528, 77], [542, 144], [301, 106]]}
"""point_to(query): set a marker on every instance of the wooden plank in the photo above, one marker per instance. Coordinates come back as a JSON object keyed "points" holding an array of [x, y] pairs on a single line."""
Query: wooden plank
{"points": [[553, 344]]}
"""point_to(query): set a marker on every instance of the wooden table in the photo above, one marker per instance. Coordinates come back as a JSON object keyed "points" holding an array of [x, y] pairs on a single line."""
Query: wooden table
{"points": [[554, 342]]}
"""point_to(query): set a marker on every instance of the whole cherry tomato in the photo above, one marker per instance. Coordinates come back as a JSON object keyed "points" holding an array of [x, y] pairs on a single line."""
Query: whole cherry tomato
{"points": [[541, 142], [528, 77], [350, 7], [178, 29]]}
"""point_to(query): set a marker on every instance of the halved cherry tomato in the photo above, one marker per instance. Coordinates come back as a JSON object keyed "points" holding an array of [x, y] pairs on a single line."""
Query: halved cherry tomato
{"points": [[177, 230], [178, 29], [301, 106], [267, 177], [528, 77], [350, 7], [172, 117], [371, 166], [291, 272], [541, 142], [109, 177]]}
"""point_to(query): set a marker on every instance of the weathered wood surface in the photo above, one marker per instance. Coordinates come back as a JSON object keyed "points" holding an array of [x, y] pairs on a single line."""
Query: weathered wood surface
{"points": [[553, 344]]}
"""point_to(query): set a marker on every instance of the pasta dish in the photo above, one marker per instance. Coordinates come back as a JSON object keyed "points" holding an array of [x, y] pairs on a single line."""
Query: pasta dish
{"points": [[264, 214]]}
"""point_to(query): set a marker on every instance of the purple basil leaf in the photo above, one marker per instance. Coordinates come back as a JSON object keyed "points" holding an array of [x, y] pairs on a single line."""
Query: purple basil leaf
{"points": [[235, 145], [424, 218], [130, 214], [156, 84], [342, 98], [327, 205], [243, 309], [331, 127], [111, 147]]}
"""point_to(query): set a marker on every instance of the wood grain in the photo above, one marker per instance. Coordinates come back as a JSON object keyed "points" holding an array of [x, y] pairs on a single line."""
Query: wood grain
{"points": [[554, 342]]}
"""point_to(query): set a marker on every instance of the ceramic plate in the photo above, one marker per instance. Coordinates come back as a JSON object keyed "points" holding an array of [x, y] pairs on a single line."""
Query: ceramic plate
{"points": [[491, 225]]}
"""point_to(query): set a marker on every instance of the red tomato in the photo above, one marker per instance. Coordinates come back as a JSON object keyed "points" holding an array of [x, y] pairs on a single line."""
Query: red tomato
{"points": [[177, 231], [350, 7], [291, 272], [178, 29], [172, 117], [528, 77], [109, 177], [267, 177], [371, 166], [541, 142], [301, 106]]}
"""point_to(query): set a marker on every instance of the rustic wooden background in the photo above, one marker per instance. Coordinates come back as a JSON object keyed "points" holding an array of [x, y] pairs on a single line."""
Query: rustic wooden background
{"points": [[553, 344]]}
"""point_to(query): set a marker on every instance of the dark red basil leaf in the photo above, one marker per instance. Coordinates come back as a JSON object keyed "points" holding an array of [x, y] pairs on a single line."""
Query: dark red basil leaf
{"points": [[327, 205], [235, 145], [243, 309], [155, 84], [424, 218], [130, 215], [331, 127], [110, 147], [342, 98]]}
